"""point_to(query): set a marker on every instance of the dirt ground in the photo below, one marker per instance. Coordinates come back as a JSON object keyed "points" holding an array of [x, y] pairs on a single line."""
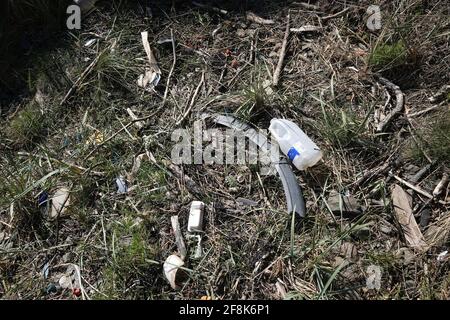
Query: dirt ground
{"points": [[74, 120]]}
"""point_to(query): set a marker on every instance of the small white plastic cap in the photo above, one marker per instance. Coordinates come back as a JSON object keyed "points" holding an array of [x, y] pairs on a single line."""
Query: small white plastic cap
{"points": [[195, 223]]}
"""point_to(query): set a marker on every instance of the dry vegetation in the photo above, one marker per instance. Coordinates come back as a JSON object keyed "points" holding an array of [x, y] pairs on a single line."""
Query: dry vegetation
{"points": [[329, 84]]}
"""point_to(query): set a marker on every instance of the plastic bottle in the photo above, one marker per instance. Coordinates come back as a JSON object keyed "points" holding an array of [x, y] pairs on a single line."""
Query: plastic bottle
{"points": [[295, 144]]}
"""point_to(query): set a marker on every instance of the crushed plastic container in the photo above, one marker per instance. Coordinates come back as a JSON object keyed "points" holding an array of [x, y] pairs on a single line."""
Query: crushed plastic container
{"points": [[295, 144]]}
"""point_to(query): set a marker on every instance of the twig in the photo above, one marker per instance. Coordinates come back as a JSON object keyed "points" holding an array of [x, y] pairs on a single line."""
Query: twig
{"points": [[417, 189], [138, 125], [400, 102], [307, 5], [192, 101], [172, 68], [254, 18], [83, 75], [178, 237], [306, 28], [74, 166], [276, 75], [119, 131], [335, 15], [432, 108], [211, 8]]}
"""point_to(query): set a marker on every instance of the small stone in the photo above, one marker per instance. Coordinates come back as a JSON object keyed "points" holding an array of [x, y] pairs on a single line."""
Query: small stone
{"points": [[347, 203]]}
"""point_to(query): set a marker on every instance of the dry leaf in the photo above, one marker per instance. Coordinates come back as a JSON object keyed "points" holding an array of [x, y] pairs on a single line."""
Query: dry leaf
{"points": [[403, 212]]}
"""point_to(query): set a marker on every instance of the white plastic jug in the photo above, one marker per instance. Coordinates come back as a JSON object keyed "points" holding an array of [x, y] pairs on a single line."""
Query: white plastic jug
{"points": [[295, 144]]}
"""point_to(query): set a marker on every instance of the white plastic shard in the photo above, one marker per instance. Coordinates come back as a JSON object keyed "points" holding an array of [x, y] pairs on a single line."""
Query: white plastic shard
{"points": [[121, 185], [60, 202], [171, 267], [195, 223]]}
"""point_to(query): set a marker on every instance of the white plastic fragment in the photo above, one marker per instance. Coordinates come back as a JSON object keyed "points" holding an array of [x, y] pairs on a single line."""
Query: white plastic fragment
{"points": [[90, 42], [195, 223], [121, 185], [171, 267], [60, 202], [441, 256]]}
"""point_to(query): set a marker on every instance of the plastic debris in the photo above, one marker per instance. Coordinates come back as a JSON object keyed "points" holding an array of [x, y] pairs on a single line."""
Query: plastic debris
{"points": [[295, 144], [171, 267], [46, 270], [42, 199], [60, 202], [90, 42], [121, 185], [441, 256], [195, 223], [292, 191]]}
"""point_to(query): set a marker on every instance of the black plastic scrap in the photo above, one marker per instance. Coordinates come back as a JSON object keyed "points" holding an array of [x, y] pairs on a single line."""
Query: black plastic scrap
{"points": [[294, 196]]}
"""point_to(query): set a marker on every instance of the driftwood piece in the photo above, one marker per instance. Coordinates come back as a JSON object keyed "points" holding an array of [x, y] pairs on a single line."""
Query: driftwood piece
{"points": [[403, 213]]}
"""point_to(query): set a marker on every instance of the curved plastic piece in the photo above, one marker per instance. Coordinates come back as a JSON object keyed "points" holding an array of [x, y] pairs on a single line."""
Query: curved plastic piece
{"points": [[292, 191]]}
